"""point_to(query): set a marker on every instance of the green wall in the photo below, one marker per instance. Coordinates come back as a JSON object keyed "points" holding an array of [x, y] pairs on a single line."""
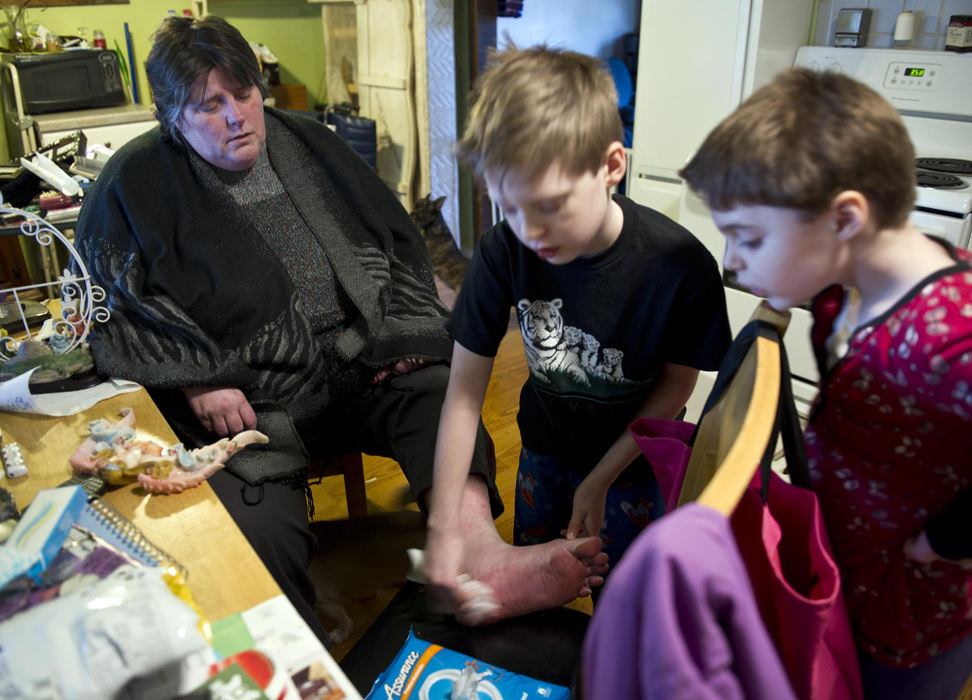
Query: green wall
{"points": [[290, 28]]}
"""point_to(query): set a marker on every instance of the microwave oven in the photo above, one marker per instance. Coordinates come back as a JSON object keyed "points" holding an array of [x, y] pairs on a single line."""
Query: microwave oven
{"points": [[61, 81]]}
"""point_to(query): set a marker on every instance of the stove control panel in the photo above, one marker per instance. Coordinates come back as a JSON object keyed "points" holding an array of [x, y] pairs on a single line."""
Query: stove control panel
{"points": [[936, 83], [912, 76]]}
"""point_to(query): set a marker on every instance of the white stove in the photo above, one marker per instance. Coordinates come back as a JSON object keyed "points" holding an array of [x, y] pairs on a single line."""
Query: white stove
{"points": [[933, 92], [944, 184], [943, 198]]}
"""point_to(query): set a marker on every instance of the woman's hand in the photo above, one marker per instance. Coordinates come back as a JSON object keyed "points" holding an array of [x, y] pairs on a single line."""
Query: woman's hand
{"points": [[406, 366], [221, 410], [587, 516]]}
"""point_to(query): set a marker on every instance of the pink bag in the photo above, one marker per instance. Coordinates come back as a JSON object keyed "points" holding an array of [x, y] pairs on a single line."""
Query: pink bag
{"points": [[781, 537], [797, 587]]}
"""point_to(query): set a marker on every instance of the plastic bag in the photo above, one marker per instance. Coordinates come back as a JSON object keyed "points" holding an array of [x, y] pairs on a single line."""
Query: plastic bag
{"points": [[91, 642]]}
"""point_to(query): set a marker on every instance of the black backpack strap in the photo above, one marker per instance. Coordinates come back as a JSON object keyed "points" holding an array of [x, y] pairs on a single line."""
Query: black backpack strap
{"points": [[787, 423]]}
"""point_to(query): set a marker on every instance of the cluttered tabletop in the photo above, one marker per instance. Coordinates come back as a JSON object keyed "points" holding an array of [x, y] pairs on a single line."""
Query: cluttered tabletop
{"points": [[174, 522], [227, 613], [147, 576]]}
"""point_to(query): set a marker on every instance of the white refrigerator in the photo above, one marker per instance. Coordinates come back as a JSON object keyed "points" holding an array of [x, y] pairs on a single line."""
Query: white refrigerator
{"points": [[697, 60]]}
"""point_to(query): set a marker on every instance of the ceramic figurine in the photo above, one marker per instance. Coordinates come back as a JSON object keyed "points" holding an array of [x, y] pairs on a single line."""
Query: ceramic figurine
{"points": [[112, 452]]}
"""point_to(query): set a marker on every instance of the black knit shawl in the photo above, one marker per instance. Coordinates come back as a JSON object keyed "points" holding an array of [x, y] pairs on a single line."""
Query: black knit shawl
{"points": [[197, 298]]}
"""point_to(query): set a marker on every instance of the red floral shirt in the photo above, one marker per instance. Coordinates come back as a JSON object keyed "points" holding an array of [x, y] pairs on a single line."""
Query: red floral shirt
{"points": [[890, 445]]}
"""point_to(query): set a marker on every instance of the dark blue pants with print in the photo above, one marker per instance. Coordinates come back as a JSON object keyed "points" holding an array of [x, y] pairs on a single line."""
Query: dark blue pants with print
{"points": [[545, 498]]}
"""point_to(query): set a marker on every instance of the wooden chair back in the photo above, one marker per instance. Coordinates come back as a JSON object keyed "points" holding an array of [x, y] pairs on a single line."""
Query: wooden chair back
{"points": [[733, 434]]}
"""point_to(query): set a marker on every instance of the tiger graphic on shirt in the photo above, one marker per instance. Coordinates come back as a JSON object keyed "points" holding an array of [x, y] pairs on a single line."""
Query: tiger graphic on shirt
{"points": [[554, 348]]}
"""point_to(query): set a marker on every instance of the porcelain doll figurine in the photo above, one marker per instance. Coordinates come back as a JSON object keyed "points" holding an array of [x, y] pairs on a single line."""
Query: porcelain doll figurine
{"points": [[112, 451]]}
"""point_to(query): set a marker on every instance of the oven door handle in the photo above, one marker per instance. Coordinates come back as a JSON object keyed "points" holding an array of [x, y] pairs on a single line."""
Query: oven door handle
{"points": [[932, 231], [954, 230]]}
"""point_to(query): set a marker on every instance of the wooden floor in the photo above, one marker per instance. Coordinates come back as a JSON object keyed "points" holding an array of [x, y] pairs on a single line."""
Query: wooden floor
{"points": [[364, 560]]}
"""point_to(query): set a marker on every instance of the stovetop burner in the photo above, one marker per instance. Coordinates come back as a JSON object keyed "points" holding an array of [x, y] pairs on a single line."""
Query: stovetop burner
{"points": [[955, 166], [939, 181]]}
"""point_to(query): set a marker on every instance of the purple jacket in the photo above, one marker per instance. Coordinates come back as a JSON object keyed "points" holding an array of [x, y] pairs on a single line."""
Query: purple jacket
{"points": [[677, 619]]}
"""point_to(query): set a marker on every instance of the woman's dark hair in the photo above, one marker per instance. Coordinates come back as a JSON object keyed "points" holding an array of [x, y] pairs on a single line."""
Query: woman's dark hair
{"points": [[183, 50]]}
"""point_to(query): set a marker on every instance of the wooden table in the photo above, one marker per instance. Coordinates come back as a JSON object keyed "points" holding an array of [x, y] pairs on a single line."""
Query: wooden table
{"points": [[225, 574]]}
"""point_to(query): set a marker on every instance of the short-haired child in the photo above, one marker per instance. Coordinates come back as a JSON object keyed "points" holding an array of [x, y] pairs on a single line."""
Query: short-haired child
{"points": [[812, 180], [619, 308]]}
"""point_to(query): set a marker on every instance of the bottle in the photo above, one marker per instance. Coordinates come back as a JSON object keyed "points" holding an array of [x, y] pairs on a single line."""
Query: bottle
{"points": [[98, 39], [958, 37], [904, 30], [15, 28]]}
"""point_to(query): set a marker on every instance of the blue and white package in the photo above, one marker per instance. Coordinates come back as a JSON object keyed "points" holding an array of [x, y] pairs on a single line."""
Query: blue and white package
{"points": [[42, 530], [426, 671]]}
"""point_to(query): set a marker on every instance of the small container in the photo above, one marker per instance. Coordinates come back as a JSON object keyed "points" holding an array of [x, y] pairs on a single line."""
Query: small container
{"points": [[904, 30], [958, 36], [15, 30], [852, 26], [98, 39]]}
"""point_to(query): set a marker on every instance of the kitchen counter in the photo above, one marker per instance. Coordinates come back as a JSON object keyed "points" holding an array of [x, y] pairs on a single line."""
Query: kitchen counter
{"points": [[86, 118]]}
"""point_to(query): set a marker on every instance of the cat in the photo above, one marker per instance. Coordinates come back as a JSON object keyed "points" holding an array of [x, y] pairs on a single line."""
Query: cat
{"points": [[448, 261]]}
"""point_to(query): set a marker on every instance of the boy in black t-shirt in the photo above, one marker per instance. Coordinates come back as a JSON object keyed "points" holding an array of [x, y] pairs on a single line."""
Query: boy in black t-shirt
{"points": [[619, 308]]}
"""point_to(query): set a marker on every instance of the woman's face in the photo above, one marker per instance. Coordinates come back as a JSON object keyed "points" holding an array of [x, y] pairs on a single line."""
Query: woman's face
{"points": [[223, 121]]}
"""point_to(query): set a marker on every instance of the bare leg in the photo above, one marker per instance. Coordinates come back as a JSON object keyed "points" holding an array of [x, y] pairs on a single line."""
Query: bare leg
{"points": [[520, 579]]}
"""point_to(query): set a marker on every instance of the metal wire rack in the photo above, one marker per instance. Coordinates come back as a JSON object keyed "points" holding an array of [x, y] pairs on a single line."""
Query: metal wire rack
{"points": [[81, 302]]}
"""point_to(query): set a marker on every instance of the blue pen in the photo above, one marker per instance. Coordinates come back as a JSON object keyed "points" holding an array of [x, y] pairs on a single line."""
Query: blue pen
{"points": [[131, 63]]}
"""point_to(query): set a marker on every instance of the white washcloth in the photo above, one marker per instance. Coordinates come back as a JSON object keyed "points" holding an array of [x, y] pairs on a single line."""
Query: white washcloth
{"points": [[479, 600]]}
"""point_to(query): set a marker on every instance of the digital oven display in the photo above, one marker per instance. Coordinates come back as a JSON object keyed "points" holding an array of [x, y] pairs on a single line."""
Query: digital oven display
{"points": [[914, 72]]}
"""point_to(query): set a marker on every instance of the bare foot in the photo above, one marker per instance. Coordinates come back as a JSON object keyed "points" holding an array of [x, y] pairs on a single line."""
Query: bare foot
{"points": [[507, 581], [499, 580]]}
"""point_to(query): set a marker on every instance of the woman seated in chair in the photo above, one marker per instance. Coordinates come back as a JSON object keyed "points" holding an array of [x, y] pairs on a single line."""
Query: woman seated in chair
{"points": [[261, 276]]}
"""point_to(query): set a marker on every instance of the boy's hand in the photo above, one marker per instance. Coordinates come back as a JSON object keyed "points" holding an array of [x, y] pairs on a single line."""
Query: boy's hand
{"points": [[443, 555], [587, 516]]}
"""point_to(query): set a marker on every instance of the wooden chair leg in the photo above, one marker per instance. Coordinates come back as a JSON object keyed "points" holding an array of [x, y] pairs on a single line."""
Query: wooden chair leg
{"points": [[351, 467], [354, 485]]}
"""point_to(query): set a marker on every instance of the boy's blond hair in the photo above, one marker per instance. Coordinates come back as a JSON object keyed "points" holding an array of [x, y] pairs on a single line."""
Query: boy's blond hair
{"points": [[539, 105], [801, 140]]}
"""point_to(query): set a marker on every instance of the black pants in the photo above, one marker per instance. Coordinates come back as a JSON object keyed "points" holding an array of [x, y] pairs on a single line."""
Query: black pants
{"points": [[398, 419]]}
